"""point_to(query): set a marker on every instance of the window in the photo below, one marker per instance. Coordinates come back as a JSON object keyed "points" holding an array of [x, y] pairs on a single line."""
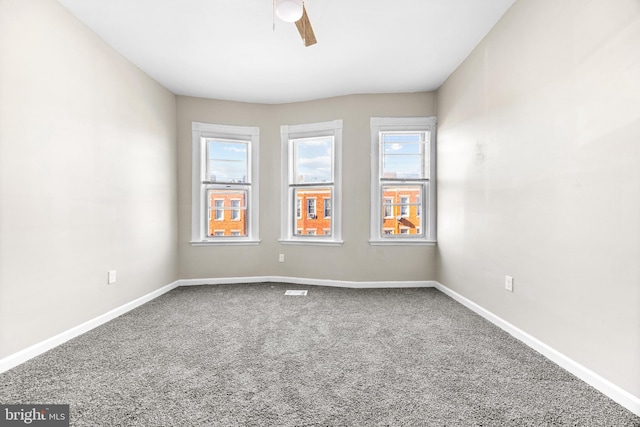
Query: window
{"points": [[311, 208], [219, 211], [388, 207], [235, 209], [224, 184], [404, 206], [403, 180], [311, 183], [327, 207]]}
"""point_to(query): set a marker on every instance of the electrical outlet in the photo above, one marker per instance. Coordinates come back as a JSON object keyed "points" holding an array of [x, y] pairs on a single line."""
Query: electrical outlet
{"points": [[508, 283], [111, 277], [281, 258]]}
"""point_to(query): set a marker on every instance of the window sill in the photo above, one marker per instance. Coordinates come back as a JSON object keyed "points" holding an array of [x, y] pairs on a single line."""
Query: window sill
{"points": [[228, 242], [402, 242], [312, 242]]}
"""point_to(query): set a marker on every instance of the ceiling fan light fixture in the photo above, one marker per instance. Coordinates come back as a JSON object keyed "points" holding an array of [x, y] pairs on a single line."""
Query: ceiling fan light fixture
{"points": [[289, 10]]}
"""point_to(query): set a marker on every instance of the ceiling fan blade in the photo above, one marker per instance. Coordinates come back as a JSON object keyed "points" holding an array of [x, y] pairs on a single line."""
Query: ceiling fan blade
{"points": [[305, 30]]}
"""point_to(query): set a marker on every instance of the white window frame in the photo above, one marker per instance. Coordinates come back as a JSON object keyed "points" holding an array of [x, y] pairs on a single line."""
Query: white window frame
{"points": [[427, 206], [200, 132], [288, 134]]}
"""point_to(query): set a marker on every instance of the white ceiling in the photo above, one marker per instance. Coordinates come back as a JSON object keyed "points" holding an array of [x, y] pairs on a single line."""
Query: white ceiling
{"points": [[227, 49]]}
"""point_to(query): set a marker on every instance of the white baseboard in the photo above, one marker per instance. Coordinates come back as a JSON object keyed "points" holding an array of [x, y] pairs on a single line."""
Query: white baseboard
{"points": [[22, 356], [312, 282], [614, 392]]}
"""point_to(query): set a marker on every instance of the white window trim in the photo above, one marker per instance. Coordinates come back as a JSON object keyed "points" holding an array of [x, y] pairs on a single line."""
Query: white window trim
{"points": [[198, 199], [287, 226], [391, 124]]}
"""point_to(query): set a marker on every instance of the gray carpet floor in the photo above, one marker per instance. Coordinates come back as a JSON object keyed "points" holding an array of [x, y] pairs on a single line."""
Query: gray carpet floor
{"points": [[249, 355]]}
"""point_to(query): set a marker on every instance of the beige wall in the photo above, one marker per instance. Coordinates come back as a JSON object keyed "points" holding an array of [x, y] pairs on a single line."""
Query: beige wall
{"points": [[539, 178], [356, 259], [87, 176]]}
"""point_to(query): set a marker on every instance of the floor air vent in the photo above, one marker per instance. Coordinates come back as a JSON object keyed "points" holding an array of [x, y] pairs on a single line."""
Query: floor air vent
{"points": [[298, 293]]}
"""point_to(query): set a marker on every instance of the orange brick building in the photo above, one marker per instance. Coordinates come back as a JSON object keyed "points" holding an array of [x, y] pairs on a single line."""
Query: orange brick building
{"points": [[227, 213], [401, 212], [313, 211]]}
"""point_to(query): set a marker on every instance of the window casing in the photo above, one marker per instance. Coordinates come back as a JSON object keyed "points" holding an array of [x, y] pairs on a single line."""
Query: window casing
{"points": [[311, 183], [224, 184], [403, 193]]}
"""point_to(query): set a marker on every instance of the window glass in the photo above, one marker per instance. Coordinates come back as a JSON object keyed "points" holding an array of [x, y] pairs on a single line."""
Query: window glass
{"points": [[313, 158], [314, 216], [401, 209], [404, 155], [229, 212], [227, 161]]}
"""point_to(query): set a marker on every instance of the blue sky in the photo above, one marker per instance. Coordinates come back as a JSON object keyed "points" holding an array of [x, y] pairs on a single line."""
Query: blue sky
{"points": [[313, 158], [227, 160], [402, 155]]}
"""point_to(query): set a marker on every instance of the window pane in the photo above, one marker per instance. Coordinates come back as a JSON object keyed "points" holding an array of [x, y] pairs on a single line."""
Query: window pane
{"points": [[401, 212], [388, 207], [311, 207], [404, 205], [316, 204], [401, 166], [227, 213], [312, 160], [219, 209], [227, 161], [404, 155]]}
